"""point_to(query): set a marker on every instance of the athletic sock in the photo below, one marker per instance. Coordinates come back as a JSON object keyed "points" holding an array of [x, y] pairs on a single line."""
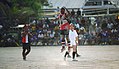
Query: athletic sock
{"points": [[67, 53], [73, 54], [63, 45]]}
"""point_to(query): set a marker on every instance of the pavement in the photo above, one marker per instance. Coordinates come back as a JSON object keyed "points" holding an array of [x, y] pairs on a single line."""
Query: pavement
{"points": [[50, 57]]}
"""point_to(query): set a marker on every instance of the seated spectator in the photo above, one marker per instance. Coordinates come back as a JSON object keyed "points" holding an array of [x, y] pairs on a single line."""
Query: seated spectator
{"points": [[40, 38], [46, 39], [51, 41], [104, 37]]}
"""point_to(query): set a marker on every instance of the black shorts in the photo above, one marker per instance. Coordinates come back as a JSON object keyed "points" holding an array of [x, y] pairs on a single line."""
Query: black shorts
{"points": [[26, 46], [64, 32]]}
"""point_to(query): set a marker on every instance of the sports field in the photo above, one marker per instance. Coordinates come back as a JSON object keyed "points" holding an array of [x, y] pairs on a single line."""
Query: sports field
{"points": [[49, 57]]}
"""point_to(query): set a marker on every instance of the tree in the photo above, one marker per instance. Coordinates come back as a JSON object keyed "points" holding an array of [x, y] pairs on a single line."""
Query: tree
{"points": [[19, 11]]}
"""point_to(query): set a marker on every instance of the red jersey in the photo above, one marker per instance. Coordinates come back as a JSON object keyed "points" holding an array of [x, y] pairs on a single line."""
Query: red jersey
{"points": [[25, 39], [65, 26]]}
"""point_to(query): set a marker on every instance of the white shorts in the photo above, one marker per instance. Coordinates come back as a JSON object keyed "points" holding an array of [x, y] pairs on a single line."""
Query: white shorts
{"points": [[72, 43]]}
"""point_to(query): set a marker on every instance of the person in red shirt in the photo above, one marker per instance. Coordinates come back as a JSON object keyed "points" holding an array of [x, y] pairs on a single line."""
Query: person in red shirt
{"points": [[26, 35], [64, 28]]}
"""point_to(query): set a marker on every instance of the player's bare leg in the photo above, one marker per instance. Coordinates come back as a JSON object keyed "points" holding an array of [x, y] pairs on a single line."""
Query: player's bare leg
{"points": [[63, 43]]}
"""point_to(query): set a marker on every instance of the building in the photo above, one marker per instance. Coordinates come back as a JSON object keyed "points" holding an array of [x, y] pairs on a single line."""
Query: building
{"points": [[87, 7]]}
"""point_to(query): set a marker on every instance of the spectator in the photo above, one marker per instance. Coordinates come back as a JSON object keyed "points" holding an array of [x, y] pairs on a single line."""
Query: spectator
{"points": [[110, 25], [40, 38], [78, 13], [104, 37], [72, 13], [104, 25], [51, 41], [47, 21]]}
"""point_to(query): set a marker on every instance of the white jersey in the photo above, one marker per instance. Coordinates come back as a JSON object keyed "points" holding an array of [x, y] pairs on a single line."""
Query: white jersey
{"points": [[72, 37]]}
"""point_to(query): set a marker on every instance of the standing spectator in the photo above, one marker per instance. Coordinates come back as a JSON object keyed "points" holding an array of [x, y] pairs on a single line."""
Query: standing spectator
{"points": [[78, 13], [104, 25], [83, 22], [72, 13]]}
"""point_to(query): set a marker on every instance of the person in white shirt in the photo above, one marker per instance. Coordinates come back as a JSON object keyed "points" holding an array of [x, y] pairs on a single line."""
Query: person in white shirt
{"points": [[73, 37]]}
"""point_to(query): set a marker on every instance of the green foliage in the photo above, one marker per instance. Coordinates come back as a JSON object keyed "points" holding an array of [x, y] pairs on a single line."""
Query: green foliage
{"points": [[22, 9], [33, 5]]}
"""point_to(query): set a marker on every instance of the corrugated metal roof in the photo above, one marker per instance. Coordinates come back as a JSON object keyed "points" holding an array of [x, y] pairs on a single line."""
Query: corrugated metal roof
{"points": [[116, 2], [67, 3], [87, 10]]}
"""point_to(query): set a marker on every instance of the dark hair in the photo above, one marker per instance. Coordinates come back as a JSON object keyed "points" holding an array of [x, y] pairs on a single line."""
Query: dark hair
{"points": [[62, 8]]}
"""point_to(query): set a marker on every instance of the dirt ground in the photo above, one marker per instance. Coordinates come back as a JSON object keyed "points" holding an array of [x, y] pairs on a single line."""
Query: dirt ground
{"points": [[49, 57]]}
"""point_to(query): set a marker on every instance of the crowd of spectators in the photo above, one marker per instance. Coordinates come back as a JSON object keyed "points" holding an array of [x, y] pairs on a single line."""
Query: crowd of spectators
{"points": [[91, 30], [96, 30], [45, 32]]}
